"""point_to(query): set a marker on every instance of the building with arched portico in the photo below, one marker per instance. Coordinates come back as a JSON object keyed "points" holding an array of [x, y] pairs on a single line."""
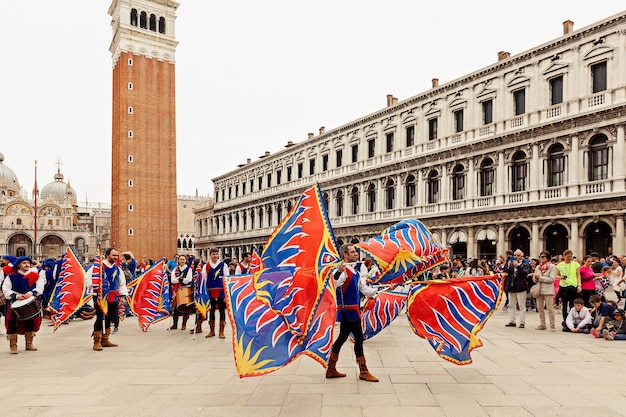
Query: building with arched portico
{"points": [[58, 218], [525, 153]]}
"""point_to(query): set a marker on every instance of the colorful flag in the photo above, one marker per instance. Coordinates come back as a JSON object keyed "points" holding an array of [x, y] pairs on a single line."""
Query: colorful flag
{"points": [[256, 263], [202, 298], [379, 312], [150, 299], [70, 292], [403, 251], [101, 286], [296, 263], [262, 341], [449, 313]]}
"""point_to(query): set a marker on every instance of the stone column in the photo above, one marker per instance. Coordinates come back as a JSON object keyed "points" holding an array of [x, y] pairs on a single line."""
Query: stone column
{"points": [[471, 243], [501, 241], [444, 187], [471, 184], [535, 240], [618, 245], [501, 181], [420, 190], [618, 160], [575, 166], [573, 239], [535, 173]]}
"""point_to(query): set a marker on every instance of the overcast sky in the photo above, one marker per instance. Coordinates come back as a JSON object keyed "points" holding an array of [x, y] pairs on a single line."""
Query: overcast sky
{"points": [[250, 75]]}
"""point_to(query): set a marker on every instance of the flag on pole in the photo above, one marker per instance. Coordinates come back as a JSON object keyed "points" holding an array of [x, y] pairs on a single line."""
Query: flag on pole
{"points": [[449, 313], [151, 300], [70, 292]]}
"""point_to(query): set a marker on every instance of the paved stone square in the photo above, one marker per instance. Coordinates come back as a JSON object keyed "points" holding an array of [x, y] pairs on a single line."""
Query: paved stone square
{"points": [[518, 372]]}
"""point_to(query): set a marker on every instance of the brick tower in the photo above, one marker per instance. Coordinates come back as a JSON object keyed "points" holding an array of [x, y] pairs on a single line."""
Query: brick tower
{"points": [[143, 184]]}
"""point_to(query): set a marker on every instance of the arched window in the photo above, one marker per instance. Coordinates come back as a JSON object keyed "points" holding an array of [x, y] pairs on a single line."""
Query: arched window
{"points": [[371, 198], [486, 177], [409, 191], [289, 205], [518, 172], [339, 203], [556, 165], [143, 20], [326, 199], [161, 24], [244, 220], [598, 158], [230, 223], [251, 218], [153, 23], [269, 215], [279, 211], [458, 183], [354, 200], [433, 187], [237, 222], [390, 194], [133, 17], [260, 217]]}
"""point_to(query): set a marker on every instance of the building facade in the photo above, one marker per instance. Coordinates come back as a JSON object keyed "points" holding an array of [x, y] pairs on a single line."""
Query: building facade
{"points": [[525, 153], [44, 225], [143, 193]]}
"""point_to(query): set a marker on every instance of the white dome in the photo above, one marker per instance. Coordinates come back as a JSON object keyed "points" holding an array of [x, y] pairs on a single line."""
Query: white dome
{"points": [[8, 179], [57, 191]]}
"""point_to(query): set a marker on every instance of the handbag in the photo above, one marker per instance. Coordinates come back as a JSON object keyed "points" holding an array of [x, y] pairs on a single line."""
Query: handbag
{"points": [[535, 290]]}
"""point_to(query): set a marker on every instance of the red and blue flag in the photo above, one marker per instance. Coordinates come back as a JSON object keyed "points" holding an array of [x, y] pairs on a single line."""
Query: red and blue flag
{"points": [[70, 292], [404, 251], [296, 262], [449, 313], [151, 300], [262, 341]]}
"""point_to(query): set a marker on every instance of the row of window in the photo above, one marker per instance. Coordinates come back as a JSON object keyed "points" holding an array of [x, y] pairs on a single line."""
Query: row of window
{"points": [[555, 166], [599, 84], [142, 20]]}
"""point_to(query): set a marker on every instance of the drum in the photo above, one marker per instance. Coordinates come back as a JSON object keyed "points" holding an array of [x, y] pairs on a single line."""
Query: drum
{"points": [[184, 300], [26, 309]]}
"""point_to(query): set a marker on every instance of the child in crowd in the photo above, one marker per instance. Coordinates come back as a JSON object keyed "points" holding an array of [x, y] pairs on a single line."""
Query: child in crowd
{"points": [[618, 332], [578, 319], [603, 313]]}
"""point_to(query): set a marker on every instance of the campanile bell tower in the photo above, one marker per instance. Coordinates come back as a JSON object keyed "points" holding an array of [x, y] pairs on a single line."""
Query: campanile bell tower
{"points": [[143, 184]]}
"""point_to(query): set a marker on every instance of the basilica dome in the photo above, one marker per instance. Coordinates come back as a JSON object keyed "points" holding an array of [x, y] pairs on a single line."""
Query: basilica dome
{"points": [[57, 191], [8, 179]]}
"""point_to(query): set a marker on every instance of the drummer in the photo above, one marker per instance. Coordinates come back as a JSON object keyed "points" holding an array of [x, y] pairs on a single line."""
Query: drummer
{"points": [[181, 278], [22, 284]]}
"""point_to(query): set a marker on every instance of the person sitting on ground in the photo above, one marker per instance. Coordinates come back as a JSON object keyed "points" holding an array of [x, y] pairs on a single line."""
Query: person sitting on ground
{"points": [[603, 314], [578, 319], [618, 332]]}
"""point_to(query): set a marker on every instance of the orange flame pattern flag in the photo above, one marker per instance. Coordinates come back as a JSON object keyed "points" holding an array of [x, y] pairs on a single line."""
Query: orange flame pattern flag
{"points": [[70, 291]]}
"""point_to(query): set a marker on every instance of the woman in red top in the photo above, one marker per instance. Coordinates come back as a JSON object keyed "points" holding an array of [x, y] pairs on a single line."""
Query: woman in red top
{"points": [[587, 280]]}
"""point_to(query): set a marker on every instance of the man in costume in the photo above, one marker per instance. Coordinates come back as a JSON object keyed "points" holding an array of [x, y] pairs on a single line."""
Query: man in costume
{"points": [[181, 277], [350, 282], [114, 280], [243, 267], [22, 284], [213, 272]]}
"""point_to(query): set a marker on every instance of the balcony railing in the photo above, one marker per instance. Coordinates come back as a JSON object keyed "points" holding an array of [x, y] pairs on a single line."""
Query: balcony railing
{"points": [[596, 100], [553, 111], [517, 122]]}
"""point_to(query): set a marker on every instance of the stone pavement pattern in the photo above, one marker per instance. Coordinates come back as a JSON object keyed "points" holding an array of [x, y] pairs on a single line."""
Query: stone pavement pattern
{"points": [[517, 372]]}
